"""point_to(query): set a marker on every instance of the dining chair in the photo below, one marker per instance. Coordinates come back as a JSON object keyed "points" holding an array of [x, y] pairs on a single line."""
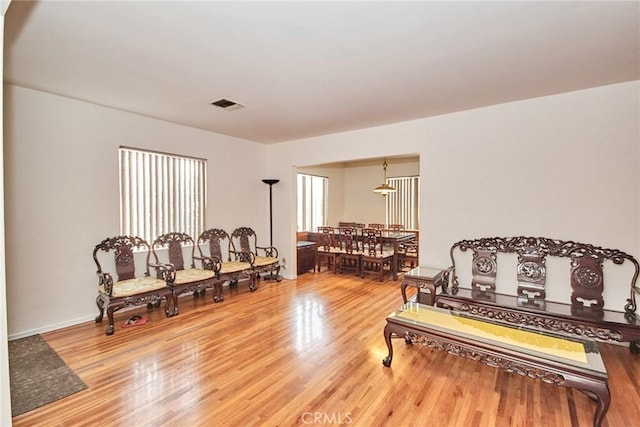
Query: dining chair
{"points": [[350, 253], [377, 258], [327, 249]]}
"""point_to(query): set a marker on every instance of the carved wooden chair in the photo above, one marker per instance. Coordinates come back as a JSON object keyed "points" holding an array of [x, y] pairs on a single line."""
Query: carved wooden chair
{"points": [[377, 258], [327, 249], [350, 252], [129, 289], [215, 243], [174, 248], [265, 258]]}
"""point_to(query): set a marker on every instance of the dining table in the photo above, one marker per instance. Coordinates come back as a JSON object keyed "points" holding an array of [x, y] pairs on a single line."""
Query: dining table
{"points": [[389, 238]]}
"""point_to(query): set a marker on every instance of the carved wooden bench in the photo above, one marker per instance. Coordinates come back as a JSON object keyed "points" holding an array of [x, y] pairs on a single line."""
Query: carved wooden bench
{"points": [[525, 303], [233, 265], [264, 259], [130, 289], [192, 272]]}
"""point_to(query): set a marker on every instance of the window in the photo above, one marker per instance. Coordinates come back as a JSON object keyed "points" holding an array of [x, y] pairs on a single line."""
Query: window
{"points": [[312, 201], [161, 193], [403, 204]]}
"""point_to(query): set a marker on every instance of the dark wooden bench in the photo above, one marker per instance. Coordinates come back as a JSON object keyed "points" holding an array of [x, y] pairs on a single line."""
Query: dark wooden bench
{"points": [[526, 301], [119, 286]]}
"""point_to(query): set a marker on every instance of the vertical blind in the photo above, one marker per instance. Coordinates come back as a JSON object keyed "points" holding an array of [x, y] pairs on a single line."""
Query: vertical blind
{"points": [[312, 201], [403, 204], [161, 193]]}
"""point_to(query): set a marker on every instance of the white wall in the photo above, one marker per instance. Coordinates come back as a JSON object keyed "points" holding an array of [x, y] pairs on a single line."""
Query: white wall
{"points": [[5, 393], [62, 197], [351, 196], [361, 203], [562, 166]]}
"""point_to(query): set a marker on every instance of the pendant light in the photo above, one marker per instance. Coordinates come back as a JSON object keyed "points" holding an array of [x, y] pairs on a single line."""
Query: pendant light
{"points": [[384, 188]]}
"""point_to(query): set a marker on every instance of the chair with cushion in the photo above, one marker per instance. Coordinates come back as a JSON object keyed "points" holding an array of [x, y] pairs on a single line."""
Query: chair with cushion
{"points": [[175, 247], [409, 254], [234, 266], [265, 258], [377, 258], [129, 289], [327, 249], [350, 253]]}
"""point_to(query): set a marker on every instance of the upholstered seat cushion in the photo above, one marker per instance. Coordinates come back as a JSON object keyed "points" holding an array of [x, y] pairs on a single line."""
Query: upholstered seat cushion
{"points": [[192, 275], [139, 285], [261, 261], [234, 267]]}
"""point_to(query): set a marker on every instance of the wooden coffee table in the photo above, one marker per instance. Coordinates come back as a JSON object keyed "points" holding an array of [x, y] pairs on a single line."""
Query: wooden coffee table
{"points": [[555, 359], [421, 278]]}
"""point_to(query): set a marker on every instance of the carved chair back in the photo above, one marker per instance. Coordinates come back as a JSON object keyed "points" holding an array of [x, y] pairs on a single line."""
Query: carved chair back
{"points": [[124, 249], [348, 240], [327, 238], [175, 243], [246, 240], [586, 271], [376, 226], [218, 242], [372, 242]]}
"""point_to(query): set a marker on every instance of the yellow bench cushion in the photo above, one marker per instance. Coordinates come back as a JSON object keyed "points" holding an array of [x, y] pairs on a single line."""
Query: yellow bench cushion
{"points": [[139, 285], [261, 261], [234, 267], [193, 275]]}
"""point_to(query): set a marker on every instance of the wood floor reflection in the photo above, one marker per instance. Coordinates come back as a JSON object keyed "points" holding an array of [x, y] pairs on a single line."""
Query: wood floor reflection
{"points": [[303, 352]]}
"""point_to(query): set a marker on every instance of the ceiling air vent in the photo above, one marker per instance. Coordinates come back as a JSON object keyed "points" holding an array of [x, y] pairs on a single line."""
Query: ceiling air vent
{"points": [[227, 104]]}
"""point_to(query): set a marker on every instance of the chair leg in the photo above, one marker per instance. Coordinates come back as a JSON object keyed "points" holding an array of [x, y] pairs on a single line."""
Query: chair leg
{"points": [[111, 327], [218, 296], [171, 299], [100, 304]]}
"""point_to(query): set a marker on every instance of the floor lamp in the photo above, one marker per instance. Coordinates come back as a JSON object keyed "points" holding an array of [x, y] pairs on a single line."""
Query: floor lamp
{"points": [[270, 182]]}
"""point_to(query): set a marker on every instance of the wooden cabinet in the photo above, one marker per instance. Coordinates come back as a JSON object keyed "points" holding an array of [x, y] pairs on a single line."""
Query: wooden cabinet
{"points": [[306, 256]]}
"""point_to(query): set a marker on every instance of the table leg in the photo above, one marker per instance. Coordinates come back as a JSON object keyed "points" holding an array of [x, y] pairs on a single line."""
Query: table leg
{"points": [[387, 338], [403, 290], [595, 390], [394, 266]]}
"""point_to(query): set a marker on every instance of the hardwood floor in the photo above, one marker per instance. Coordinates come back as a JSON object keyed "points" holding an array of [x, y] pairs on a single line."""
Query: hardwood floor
{"points": [[303, 352]]}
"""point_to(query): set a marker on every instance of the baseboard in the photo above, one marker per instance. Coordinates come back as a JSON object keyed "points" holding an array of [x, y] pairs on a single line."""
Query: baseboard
{"points": [[78, 320], [52, 327]]}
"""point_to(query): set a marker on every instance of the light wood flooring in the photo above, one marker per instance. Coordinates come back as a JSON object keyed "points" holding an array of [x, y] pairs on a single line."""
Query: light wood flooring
{"points": [[303, 352]]}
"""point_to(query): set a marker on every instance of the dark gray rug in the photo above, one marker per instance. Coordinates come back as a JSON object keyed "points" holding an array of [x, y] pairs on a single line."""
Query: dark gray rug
{"points": [[38, 376]]}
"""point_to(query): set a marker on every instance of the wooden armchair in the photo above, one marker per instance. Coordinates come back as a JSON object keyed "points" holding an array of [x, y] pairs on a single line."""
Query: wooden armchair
{"points": [[175, 247], [129, 290], [215, 243], [265, 257]]}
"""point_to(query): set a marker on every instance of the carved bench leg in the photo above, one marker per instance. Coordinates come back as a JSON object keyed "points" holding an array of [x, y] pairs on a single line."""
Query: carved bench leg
{"points": [[218, 296], [171, 299], [110, 328], [100, 304], [634, 347], [253, 283]]}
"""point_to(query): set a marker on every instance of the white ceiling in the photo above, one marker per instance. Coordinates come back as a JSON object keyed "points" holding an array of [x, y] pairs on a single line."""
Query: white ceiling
{"points": [[312, 68]]}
